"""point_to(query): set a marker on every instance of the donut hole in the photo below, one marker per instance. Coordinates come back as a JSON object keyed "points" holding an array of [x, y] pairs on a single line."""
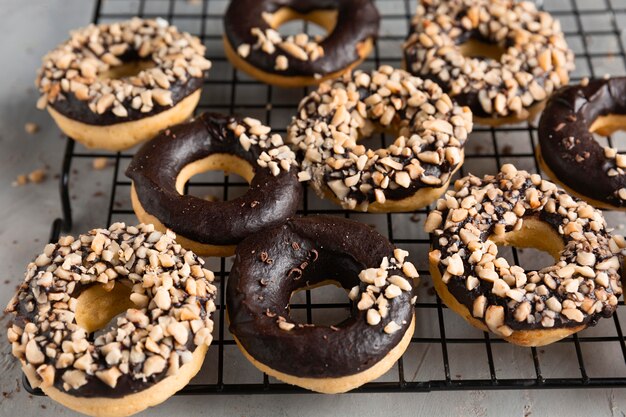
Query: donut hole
{"points": [[205, 171], [98, 305], [480, 49], [378, 139], [127, 69], [613, 125], [326, 20], [327, 293], [537, 241]]}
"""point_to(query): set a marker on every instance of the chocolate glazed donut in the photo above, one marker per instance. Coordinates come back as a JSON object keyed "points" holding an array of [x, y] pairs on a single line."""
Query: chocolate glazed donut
{"points": [[114, 85], [309, 252], [524, 307], [352, 27], [568, 150], [161, 168]]}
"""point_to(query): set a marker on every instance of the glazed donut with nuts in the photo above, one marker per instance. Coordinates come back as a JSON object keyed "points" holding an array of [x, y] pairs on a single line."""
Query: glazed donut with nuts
{"points": [[430, 128], [111, 86], [159, 296], [311, 252], [528, 308], [162, 167], [253, 44], [569, 153], [506, 81]]}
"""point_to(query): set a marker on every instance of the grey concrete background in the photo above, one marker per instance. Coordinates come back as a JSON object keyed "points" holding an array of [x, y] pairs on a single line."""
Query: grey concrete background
{"points": [[29, 29]]}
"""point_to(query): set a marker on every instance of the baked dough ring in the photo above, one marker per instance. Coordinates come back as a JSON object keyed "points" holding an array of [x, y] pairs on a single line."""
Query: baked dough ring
{"points": [[412, 172], [310, 252], [158, 298], [114, 85], [253, 45], [528, 308], [502, 58], [162, 167]]}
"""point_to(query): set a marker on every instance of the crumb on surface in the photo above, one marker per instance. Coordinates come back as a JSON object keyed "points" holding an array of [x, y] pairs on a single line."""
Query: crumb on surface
{"points": [[100, 163], [31, 128], [37, 176]]}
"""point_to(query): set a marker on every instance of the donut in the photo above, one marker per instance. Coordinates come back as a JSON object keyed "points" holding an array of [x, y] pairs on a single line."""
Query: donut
{"points": [[412, 172], [567, 150], [156, 298], [502, 58], [114, 85], [515, 208], [309, 252], [162, 167], [253, 44]]}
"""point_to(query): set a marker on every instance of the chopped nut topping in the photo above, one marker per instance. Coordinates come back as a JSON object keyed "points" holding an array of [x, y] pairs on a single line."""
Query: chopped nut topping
{"points": [[269, 41], [381, 286], [536, 60], [173, 296], [284, 325], [392, 327], [273, 153], [575, 287], [431, 131], [76, 66]]}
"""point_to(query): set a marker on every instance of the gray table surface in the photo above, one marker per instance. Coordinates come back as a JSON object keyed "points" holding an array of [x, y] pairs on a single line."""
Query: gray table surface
{"points": [[32, 27]]}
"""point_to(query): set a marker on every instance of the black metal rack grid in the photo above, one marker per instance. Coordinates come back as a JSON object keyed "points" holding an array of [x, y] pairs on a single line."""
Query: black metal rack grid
{"points": [[459, 357]]}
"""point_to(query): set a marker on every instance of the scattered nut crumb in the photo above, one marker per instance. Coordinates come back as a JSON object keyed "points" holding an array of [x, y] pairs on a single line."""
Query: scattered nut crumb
{"points": [[20, 180], [37, 176], [100, 163], [31, 128]]}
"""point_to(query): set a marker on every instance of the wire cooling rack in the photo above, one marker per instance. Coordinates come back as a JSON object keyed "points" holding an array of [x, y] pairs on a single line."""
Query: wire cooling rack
{"points": [[445, 353]]}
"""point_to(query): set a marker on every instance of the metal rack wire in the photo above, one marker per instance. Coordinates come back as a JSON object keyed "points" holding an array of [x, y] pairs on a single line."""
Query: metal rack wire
{"points": [[439, 355]]}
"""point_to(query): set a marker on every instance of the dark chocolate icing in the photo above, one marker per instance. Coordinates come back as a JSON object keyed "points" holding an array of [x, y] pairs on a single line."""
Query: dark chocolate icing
{"points": [[22, 306], [457, 286], [94, 387], [79, 110], [154, 169], [357, 21], [442, 24], [334, 249], [570, 150]]}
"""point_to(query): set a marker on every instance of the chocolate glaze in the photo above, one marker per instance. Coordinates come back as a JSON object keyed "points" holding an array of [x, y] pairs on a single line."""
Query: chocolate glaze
{"points": [[460, 35], [94, 387], [79, 110], [457, 285], [357, 21], [335, 249], [580, 163], [465, 98], [400, 193], [154, 169], [393, 192], [126, 383]]}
